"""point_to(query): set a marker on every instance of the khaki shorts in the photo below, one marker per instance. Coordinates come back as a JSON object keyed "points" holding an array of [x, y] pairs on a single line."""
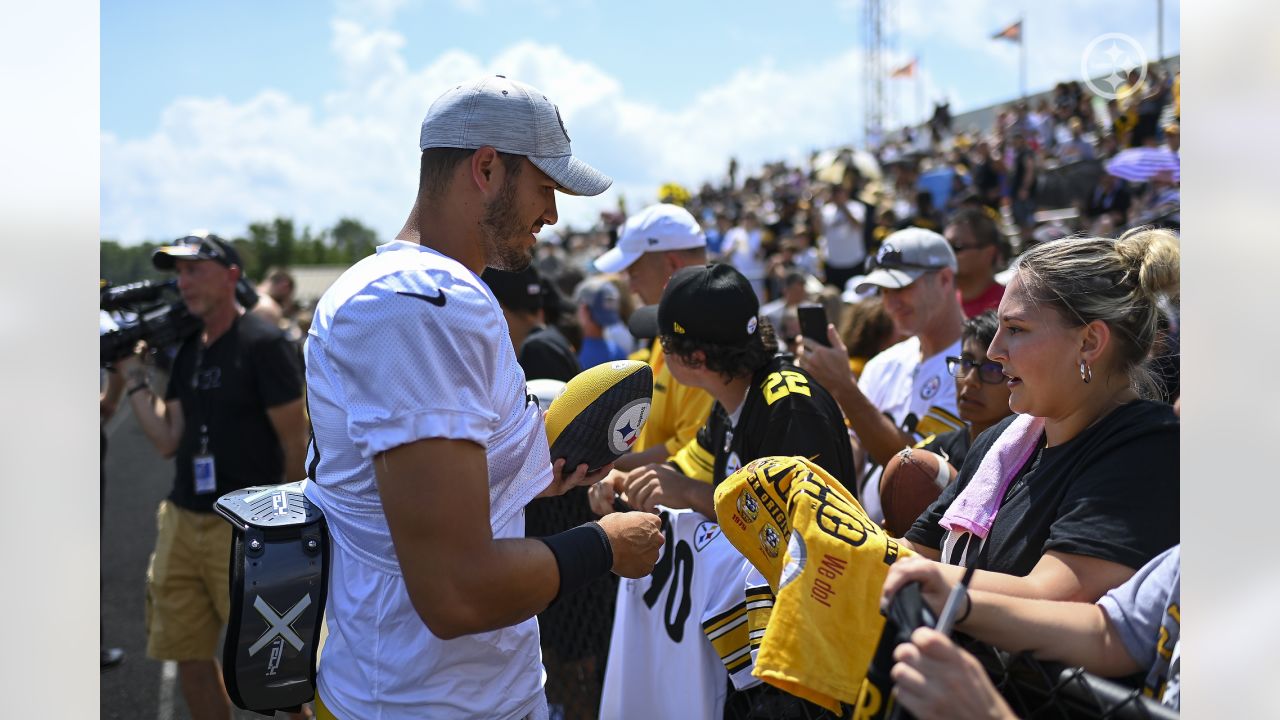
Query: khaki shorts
{"points": [[322, 712], [188, 599]]}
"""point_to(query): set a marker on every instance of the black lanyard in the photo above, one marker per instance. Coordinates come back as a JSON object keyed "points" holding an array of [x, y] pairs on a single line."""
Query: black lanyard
{"points": [[200, 414]]}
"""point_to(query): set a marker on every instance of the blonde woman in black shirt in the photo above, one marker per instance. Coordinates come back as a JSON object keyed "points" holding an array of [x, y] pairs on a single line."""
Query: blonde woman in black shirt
{"points": [[1087, 492]]}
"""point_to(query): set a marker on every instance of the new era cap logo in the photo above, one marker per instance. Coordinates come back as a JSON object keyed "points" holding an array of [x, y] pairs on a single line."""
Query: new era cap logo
{"points": [[654, 241], [679, 330]]}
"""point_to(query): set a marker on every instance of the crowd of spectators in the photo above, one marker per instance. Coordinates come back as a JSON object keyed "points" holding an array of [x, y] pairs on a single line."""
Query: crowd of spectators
{"points": [[1038, 170], [909, 247], [816, 232]]}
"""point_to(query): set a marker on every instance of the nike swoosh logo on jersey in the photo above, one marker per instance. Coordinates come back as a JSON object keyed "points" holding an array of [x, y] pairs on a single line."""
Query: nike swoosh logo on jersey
{"points": [[437, 299]]}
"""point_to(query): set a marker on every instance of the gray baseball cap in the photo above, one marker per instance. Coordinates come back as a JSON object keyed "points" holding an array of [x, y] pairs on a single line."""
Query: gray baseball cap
{"points": [[906, 255], [512, 118]]}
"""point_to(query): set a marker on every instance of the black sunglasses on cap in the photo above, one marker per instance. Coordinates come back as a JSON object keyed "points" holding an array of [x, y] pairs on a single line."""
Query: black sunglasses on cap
{"points": [[892, 260], [989, 372]]}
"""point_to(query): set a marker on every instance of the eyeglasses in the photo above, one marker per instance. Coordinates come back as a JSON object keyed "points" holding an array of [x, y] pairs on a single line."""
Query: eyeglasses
{"points": [[989, 372]]}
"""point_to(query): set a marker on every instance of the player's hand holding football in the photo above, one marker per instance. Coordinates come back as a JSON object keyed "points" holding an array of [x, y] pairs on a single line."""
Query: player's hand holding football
{"points": [[562, 483], [636, 538]]}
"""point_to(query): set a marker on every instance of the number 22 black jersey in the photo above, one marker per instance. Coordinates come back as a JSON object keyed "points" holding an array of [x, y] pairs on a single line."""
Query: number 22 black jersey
{"points": [[785, 413]]}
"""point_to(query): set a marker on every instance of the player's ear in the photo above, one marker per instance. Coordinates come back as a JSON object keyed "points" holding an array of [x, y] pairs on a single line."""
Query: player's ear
{"points": [[484, 168]]}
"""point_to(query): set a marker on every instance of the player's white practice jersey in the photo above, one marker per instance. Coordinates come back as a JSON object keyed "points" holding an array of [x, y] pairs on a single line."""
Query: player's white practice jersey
{"points": [[662, 660]]}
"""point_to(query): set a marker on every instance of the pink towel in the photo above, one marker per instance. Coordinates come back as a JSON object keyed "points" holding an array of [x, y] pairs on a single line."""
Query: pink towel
{"points": [[974, 509]]}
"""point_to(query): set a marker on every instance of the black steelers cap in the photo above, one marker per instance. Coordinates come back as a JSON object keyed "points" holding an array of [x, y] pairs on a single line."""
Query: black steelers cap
{"points": [[706, 303]]}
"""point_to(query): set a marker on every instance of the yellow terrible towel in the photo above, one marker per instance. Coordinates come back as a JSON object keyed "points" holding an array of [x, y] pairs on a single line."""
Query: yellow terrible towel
{"points": [[826, 562]]}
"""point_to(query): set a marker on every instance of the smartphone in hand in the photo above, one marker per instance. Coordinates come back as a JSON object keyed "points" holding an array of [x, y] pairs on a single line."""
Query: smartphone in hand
{"points": [[813, 322]]}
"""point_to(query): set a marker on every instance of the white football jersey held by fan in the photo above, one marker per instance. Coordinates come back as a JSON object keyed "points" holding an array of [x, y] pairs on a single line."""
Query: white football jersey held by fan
{"points": [[676, 631], [409, 344]]}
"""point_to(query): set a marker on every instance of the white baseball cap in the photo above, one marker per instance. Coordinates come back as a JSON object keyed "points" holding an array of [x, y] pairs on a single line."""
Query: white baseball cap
{"points": [[656, 228], [512, 118]]}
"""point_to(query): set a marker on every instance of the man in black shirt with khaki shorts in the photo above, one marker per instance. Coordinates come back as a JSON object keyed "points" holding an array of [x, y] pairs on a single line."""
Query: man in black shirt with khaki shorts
{"points": [[233, 417]]}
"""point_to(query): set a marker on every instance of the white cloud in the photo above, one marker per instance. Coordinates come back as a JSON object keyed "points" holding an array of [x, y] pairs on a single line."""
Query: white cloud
{"points": [[376, 13], [223, 165], [218, 164]]}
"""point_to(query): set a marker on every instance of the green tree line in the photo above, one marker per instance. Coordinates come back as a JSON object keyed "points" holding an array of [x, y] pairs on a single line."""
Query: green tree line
{"points": [[264, 246]]}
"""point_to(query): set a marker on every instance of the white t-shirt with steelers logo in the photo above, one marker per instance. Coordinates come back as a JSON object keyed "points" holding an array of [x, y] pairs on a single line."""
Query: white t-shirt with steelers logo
{"points": [[910, 391], [409, 344]]}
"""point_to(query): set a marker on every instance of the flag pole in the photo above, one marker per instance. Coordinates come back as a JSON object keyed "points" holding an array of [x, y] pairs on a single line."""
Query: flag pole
{"points": [[1022, 53], [920, 109], [1159, 29]]}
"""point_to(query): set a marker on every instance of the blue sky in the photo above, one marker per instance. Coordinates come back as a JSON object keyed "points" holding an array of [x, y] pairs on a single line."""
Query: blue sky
{"points": [[219, 114]]}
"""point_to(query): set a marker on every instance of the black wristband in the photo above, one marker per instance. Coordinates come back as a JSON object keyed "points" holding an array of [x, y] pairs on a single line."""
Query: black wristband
{"points": [[582, 555], [137, 388]]}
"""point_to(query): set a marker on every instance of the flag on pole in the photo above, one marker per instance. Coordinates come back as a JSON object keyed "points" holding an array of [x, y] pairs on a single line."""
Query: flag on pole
{"points": [[906, 71], [1012, 33]]}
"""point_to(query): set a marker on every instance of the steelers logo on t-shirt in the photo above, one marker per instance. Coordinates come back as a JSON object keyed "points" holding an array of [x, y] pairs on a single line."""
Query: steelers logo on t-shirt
{"points": [[732, 464]]}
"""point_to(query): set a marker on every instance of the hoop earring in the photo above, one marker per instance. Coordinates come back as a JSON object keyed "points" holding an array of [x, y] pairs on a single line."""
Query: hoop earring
{"points": [[1086, 372]]}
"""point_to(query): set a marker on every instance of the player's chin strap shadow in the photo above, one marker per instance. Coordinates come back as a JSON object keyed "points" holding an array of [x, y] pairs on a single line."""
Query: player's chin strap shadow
{"points": [[279, 578]]}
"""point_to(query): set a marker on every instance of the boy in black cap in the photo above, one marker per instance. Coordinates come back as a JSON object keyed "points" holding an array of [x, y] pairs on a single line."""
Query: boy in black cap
{"points": [[765, 405]]}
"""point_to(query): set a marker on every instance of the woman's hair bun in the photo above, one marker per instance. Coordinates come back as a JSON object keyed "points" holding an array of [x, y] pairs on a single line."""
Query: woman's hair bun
{"points": [[1154, 255]]}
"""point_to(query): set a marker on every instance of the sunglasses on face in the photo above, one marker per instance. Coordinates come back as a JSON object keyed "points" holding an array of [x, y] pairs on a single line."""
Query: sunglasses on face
{"points": [[989, 372]]}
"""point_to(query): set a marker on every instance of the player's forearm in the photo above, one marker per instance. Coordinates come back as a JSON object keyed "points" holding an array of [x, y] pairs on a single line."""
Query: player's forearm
{"points": [[877, 434], [508, 582]]}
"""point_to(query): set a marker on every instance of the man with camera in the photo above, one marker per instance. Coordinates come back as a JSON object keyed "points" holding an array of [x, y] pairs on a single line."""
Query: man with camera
{"points": [[232, 415]]}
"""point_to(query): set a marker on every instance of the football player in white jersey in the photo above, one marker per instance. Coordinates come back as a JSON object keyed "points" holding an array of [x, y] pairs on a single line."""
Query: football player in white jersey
{"points": [[425, 448]]}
